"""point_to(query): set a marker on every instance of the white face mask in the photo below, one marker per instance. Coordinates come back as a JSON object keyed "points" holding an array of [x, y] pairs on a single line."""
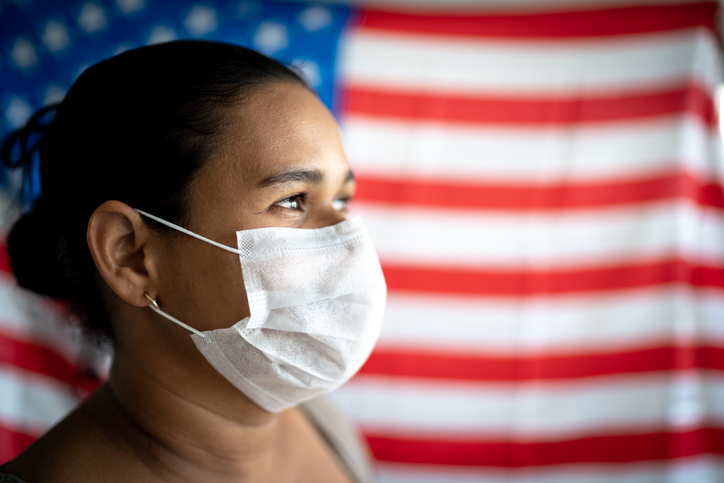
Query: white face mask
{"points": [[316, 298]]}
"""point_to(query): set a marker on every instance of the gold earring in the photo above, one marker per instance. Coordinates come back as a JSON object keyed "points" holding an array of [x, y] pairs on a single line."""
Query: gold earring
{"points": [[152, 300]]}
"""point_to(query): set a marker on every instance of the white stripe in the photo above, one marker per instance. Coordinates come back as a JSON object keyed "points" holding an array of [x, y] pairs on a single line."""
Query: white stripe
{"points": [[540, 240], [30, 402], [573, 66], [438, 152], [621, 320], [545, 411], [30, 318], [697, 469]]}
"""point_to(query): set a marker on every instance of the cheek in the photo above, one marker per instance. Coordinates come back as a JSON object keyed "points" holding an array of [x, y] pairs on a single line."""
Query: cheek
{"points": [[203, 286]]}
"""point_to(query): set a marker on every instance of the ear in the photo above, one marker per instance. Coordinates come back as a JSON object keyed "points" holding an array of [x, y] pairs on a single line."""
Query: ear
{"points": [[118, 240]]}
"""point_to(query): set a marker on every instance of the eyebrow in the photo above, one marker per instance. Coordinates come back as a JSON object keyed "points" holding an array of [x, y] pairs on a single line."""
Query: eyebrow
{"points": [[312, 176], [293, 176]]}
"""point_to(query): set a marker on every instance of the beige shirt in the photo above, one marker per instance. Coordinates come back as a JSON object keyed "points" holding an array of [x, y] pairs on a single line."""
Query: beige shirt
{"points": [[343, 438]]}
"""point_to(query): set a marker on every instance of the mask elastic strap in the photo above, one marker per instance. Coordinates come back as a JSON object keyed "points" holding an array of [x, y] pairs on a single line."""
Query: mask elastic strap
{"points": [[174, 319], [189, 233]]}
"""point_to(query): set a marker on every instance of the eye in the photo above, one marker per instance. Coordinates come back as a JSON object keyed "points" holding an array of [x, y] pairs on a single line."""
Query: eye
{"points": [[340, 204], [295, 202]]}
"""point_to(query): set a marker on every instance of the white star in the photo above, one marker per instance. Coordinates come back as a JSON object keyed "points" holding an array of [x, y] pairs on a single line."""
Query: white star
{"points": [[160, 34], [53, 94], [82, 69], [200, 20], [18, 112], [120, 49], [271, 37], [23, 54], [55, 36], [92, 18], [130, 6], [309, 70], [315, 18]]}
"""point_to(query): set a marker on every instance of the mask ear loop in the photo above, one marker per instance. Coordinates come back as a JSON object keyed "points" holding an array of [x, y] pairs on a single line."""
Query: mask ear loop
{"points": [[189, 232], [154, 306]]}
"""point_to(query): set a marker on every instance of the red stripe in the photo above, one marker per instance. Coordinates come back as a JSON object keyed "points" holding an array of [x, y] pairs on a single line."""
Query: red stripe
{"points": [[623, 448], [430, 193], [523, 110], [475, 281], [12, 443], [41, 360], [587, 23], [416, 364], [4, 258]]}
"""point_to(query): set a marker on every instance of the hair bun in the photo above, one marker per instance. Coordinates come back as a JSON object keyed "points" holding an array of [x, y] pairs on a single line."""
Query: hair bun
{"points": [[33, 259]]}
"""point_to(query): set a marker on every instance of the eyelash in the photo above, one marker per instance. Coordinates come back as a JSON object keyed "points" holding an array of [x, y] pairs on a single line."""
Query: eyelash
{"points": [[299, 200], [299, 197], [345, 201]]}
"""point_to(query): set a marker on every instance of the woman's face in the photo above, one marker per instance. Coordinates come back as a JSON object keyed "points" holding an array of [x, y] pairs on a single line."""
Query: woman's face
{"points": [[281, 163]]}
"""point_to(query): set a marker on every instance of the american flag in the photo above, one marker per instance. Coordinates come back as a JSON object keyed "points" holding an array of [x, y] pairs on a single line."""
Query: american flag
{"points": [[543, 183]]}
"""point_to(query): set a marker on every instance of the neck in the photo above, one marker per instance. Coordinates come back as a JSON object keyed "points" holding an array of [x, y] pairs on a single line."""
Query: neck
{"points": [[186, 433]]}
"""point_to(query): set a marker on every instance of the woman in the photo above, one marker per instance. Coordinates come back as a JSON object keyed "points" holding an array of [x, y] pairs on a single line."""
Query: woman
{"points": [[200, 188]]}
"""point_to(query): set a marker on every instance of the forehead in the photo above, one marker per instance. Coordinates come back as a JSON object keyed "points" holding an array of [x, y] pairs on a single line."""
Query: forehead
{"points": [[277, 128], [280, 126]]}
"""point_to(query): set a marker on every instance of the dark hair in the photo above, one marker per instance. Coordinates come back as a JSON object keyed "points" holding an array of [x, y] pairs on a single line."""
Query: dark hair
{"points": [[135, 128]]}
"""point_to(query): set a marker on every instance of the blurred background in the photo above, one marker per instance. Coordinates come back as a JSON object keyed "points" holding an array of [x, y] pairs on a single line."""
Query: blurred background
{"points": [[543, 182]]}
